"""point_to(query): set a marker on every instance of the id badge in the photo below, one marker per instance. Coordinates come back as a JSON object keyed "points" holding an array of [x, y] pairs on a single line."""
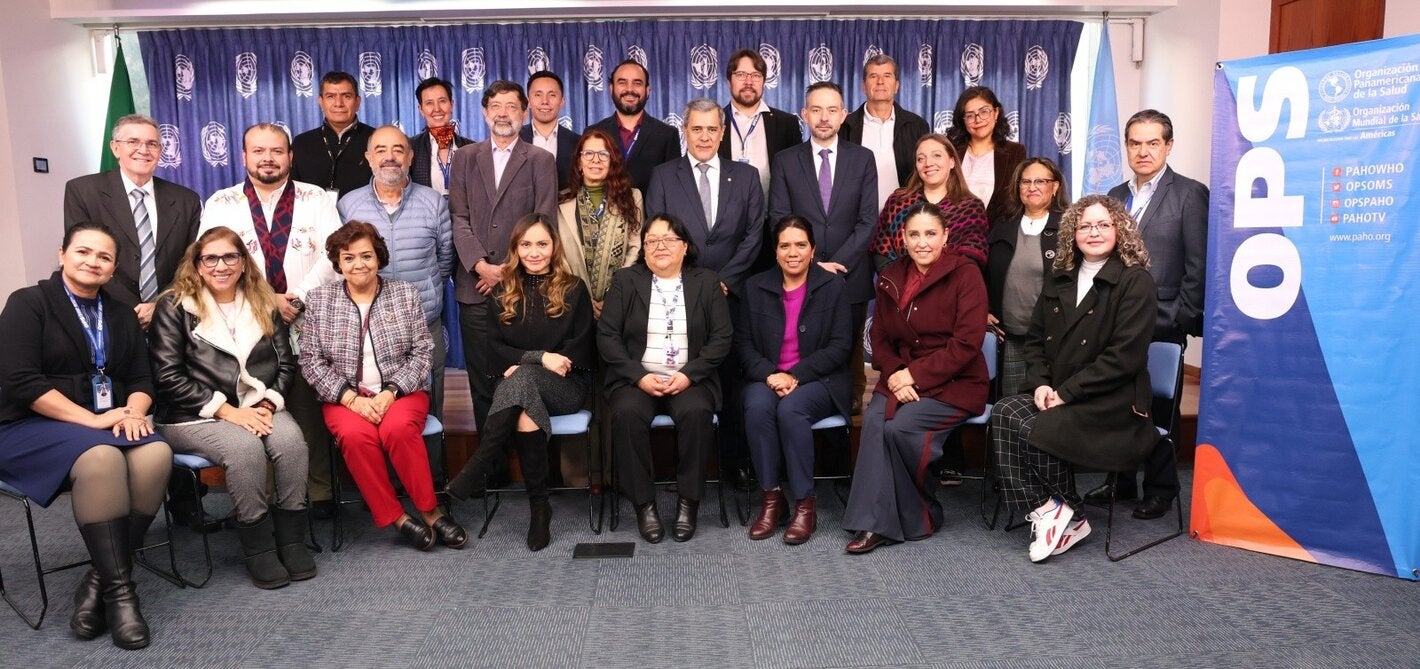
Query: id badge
{"points": [[743, 159], [103, 393]]}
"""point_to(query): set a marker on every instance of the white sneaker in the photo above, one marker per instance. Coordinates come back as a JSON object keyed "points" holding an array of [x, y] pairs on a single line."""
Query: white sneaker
{"points": [[1048, 527], [1074, 534]]}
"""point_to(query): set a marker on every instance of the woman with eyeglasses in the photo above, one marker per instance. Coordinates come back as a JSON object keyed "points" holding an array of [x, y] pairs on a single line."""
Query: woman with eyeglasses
{"points": [[599, 216], [223, 364], [937, 181], [980, 134], [1014, 280], [1087, 371], [665, 329]]}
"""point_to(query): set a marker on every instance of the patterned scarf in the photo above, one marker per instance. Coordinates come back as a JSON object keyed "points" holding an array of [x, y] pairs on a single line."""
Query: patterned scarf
{"points": [[603, 240], [443, 135], [273, 238]]}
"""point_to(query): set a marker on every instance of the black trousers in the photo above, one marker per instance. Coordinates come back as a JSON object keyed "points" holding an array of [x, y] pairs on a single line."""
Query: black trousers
{"points": [[473, 326], [631, 411]]}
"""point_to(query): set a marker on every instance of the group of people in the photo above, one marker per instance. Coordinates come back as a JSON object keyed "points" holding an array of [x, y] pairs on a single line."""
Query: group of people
{"points": [[727, 288]]}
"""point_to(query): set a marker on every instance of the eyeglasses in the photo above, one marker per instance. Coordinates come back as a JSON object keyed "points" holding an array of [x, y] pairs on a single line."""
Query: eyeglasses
{"points": [[133, 144], [746, 76], [982, 114], [229, 259], [1088, 228], [662, 242], [1036, 183], [596, 156]]}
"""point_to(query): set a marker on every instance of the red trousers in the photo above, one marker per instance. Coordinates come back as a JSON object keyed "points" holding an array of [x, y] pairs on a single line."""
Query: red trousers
{"points": [[399, 436]]}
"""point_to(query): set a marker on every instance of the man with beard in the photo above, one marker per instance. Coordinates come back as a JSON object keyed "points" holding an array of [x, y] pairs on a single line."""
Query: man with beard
{"points": [[495, 183], [544, 132], [434, 148], [644, 141], [284, 223], [330, 156]]}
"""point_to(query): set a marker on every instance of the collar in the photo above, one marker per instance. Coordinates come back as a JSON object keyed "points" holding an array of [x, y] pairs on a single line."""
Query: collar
{"points": [[128, 185], [714, 162], [763, 108], [815, 148], [341, 133], [869, 118], [511, 145], [1152, 184], [532, 127]]}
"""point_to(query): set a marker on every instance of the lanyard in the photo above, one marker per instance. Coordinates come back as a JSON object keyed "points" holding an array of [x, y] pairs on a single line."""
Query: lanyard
{"points": [[94, 333], [339, 149], [670, 303], [626, 152], [744, 138], [444, 166]]}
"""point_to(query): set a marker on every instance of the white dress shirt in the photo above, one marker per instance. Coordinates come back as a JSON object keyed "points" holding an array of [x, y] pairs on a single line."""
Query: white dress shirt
{"points": [[752, 146], [877, 137], [713, 174]]}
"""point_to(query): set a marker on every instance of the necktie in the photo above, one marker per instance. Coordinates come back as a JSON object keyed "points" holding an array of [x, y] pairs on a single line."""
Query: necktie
{"points": [[147, 273], [825, 178], [705, 193]]}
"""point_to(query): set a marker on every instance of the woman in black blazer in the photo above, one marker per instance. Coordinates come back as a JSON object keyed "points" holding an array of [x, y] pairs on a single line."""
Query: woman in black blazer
{"points": [[664, 330], [793, 338], [74, 369]]}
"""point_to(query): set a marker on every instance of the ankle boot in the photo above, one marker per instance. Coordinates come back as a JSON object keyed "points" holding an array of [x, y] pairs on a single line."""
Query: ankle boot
{"points": [[472, 481], [88, 619], [770, 515], [259, 552], [802, 525], [291, 543], [108, 545], [532, 455]]}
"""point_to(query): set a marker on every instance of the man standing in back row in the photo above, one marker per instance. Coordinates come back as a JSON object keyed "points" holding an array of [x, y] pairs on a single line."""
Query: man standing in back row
{"points": [[333, 155], [643, 140], [882, 126]]}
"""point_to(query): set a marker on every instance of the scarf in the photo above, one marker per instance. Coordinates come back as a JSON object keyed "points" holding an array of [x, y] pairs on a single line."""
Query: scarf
{"points": [[273, 237], [443, 135], [603, 239]]}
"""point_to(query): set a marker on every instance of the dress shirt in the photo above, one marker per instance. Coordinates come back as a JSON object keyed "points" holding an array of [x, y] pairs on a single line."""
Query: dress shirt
{"points": [[751, 147], [980, 173], [832, 158], [548, 143], [713, 174], [1139, 196], [148, 201], [500, 160], [877, 137]]}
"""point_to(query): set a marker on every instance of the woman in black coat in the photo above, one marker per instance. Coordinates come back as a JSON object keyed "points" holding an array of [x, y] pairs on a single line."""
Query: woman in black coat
{"points": [[793, 338], [664, 330], [77, 389], [1087, 360]]}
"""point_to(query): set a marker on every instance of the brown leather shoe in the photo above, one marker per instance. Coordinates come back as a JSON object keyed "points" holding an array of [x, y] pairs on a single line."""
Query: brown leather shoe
{"points": [[802, 526], [865, 542], [770, 514]]}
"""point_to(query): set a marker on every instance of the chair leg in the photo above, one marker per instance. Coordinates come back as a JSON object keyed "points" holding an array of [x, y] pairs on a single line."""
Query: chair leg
{"points": [[175, 576], [40, 572], [337, 526], [489, 511], [1178, 506]]}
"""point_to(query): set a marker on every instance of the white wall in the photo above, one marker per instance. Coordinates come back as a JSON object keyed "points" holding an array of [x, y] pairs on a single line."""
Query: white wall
{"points": [[1402, 17]]}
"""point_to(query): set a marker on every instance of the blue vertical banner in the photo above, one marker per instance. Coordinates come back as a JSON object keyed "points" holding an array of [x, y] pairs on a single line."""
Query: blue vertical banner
{"points": [[1309, 440], [1103, 157]]}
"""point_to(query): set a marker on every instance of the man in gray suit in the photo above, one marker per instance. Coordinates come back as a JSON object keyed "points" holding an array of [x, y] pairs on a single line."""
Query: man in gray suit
{"points": [[834, 185], [1172, 212], [495, 183]]}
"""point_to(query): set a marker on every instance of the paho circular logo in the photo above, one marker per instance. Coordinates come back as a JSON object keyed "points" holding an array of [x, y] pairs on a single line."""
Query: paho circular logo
{"points": [[1334, 86]]}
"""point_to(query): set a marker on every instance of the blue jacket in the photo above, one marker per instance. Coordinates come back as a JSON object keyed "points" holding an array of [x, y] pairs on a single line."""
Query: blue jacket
{"points": [[826, 336], [420, 238]]}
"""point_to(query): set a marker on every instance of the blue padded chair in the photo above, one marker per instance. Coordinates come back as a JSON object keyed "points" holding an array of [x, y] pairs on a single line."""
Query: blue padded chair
{"points": [[432, 428], [566, 426], [1166, 379]]}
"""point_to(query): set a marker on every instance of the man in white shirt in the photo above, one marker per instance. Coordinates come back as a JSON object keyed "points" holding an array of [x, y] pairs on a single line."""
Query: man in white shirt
{"points": [[884, 127]]}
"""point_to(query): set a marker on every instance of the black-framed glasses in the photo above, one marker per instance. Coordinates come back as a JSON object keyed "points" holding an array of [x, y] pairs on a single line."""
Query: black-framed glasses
{"points": [[1088, 228], [746, 76], [662, 242], [229, 259], [981, 114]]}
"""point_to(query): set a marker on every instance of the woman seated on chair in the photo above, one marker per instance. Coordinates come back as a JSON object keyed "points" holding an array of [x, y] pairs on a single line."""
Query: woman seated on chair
{"points": [[793, 340], [222, 364], [1090, 402], [664, 330], [540, 334], [366, 351], [928, 325], [73, 412]]}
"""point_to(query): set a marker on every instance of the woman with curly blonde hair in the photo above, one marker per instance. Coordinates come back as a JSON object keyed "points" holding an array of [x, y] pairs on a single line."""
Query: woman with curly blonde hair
{"points": [[541, 337], [1087, 357]]}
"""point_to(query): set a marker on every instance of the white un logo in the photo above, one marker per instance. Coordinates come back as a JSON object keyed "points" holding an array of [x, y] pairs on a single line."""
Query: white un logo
{"points": [[246, 74]]}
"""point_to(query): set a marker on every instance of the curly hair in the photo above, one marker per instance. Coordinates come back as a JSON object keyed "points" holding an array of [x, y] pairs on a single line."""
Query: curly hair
{"points": [[1128, 245], [956, 182], [618, 181], [251, 284], [554, 290], [1000, 131]]}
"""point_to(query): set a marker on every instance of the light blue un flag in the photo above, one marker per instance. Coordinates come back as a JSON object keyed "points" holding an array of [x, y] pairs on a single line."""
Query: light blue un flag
{"points": [[1103, 158]]}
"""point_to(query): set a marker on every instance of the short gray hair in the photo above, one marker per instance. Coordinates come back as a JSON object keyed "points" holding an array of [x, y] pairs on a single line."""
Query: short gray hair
{"points": [[703, 105], [132, 119], [880, 59]]}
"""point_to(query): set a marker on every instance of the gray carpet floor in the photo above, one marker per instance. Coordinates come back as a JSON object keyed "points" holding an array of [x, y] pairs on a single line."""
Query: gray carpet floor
{"points": [[967, 597]]}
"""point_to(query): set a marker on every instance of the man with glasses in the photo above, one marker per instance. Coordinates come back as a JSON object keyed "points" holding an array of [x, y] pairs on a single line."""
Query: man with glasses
{"points": [[882, 126], [155, 219], [545, 100], [644, 141], [284, 224], [333, 155], [757, 131], [1172, 213]]}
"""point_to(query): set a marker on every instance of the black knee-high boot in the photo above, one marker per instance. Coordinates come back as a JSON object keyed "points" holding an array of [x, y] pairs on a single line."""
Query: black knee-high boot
{"points": [[109, 546], [88, 619], [532, 453], [493, 437]]}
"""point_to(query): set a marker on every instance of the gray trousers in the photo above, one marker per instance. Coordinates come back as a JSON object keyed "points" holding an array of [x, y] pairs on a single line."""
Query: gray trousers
{"points": [[244, 456], [893, 494]]}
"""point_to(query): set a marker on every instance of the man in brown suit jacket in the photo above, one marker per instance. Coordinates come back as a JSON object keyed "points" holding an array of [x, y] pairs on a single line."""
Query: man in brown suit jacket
{"points": [[493, 184]]}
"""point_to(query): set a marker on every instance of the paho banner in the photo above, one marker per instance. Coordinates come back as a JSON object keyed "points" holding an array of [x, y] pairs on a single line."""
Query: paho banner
{"points": [[1309, 438]]}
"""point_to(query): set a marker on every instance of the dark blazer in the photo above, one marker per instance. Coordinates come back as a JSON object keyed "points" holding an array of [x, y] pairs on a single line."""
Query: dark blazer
{"points": [[484, 212], [621, 331], [825, 332], [1175, 229], [781, 131], [100, 197], [730, 247], [842, 233], [1096, 356], [566, 144], [907, 128], [419, 170], [1005, 157], [311, 158], [1001, 249], [657, 143], [188, 370], [46, 349]]}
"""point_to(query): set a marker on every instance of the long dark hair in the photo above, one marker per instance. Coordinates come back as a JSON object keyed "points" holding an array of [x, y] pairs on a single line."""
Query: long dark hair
{"points": [[618, 181], [958, 134]]}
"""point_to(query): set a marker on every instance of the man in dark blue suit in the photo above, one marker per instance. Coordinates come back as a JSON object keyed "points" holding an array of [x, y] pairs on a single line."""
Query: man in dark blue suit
{"points": [[833, 185], [644, 141], [1172, 212], [545, 101]]}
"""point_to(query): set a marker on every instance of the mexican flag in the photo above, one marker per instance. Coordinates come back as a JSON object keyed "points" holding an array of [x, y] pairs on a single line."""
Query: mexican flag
{"points": [[120, 104]]}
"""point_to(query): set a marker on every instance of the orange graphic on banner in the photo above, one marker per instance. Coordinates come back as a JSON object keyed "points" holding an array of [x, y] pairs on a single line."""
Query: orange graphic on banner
{"points": [[1222, 513]]}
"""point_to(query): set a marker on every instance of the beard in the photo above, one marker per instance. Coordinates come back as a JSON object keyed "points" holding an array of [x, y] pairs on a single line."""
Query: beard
{"points": [[630, 109], [391, 175], [269, 179]]}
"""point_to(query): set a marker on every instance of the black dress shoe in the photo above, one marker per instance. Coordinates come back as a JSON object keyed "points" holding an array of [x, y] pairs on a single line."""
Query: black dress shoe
{"points": [[866, 542], [649, 524], [1100, 495], [686, 512], [1153, 506], [323, 509], [743, 478], [417, 533], [449, 532]]}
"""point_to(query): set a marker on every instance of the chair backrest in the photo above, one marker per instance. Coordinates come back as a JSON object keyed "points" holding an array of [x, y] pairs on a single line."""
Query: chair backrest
{"points": [[1165, 369], [988, 349]]}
